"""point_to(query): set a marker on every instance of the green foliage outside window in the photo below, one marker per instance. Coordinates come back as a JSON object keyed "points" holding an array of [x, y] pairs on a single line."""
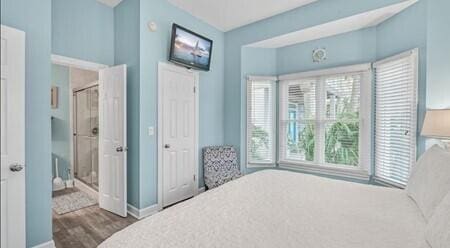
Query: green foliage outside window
{"points": [[259, 140], [341, 141]]}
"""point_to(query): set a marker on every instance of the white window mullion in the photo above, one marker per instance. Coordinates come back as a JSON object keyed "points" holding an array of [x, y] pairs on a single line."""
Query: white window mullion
{"points": [[320, 117]]}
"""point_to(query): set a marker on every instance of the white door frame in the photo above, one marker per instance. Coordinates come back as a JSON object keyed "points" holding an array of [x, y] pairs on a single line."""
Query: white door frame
{"points": [[80, 64], [161, 66]]}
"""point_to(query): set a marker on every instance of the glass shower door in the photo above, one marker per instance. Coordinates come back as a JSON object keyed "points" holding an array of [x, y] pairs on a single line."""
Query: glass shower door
{"points": [[86, 133]]}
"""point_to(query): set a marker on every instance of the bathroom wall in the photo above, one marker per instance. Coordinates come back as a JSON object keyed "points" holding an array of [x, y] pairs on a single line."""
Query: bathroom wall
{"points": [[60, 123], [80, 78]]}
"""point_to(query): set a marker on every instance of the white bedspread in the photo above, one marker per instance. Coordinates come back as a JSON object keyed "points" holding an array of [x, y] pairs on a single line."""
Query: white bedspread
{"points": [[283, 209]]}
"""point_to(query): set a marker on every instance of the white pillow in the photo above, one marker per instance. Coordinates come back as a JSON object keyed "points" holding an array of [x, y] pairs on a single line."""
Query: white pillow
{"points": [[430, 180], [438, 228]]}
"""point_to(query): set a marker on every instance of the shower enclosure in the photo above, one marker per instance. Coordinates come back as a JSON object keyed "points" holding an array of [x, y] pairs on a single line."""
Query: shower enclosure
{"points": [[85, 102]]}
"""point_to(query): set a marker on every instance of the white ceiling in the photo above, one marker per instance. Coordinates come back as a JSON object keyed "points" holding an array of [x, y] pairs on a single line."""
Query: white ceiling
{"points": [[348, 24], [226, 15], [110, 3]]}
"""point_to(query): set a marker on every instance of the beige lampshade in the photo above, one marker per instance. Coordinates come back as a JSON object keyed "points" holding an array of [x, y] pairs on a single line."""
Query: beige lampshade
{"points": [[437, 124]]}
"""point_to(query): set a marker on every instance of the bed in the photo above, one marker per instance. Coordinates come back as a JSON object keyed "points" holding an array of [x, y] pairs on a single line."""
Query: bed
{"points": [[275, 208]]}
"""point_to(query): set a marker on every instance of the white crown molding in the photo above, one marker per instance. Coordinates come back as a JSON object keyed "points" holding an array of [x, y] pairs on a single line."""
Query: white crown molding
{"points": [[78, 63]]}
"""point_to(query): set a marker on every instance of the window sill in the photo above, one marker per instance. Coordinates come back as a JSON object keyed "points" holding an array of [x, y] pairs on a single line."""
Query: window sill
{"points": [[351, 173], [260, 165], [388, 183]]}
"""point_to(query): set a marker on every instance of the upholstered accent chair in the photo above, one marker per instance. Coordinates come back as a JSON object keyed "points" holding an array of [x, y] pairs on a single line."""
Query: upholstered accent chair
{"points": [[220, 165]]}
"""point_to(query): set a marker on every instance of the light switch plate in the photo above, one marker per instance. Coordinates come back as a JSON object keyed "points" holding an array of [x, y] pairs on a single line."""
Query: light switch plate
{"points": [[151, 131]]}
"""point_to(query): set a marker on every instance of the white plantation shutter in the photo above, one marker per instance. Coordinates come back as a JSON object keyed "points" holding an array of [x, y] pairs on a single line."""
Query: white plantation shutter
{"points": [[261, 121], [395, 117]]}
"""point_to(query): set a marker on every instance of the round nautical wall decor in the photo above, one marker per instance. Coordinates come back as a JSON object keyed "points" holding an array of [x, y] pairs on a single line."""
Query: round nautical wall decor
{"points": [[319, 55]]}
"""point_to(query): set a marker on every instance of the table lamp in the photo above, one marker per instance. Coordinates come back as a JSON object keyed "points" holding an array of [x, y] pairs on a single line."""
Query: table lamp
{"points": [[437, 125]]}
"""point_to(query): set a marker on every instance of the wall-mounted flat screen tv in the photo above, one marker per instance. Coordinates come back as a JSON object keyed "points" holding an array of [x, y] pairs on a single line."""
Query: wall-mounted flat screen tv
{"points": [[190, 49]]}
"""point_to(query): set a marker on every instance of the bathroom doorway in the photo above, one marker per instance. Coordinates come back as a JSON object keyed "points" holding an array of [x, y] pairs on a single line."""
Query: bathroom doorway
{"points": [[75, 139], [89, 148]]}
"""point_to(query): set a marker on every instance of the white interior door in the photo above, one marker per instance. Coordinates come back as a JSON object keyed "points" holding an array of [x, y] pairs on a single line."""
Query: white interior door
{"points": [[178, 130], [113, 140], [12, 98]]}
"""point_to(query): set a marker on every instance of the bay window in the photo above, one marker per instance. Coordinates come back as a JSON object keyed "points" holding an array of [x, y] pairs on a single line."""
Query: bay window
{"points": [[325, 120]]}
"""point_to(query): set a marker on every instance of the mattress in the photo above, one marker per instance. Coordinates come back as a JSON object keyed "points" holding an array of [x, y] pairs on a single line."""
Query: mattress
{"points": [[274, 208]]}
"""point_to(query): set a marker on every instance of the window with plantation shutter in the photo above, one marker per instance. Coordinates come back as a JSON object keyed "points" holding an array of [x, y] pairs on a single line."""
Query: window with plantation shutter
{"points": [[395, 117], [324, 119], [261, 121]]}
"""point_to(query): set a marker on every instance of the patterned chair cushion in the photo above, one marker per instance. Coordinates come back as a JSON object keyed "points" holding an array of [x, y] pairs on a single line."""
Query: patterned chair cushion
{"points": [[220, 165]]}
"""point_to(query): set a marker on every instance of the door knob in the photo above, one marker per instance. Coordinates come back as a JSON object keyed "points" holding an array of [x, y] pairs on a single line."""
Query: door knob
{"points": [[94, 130], [16, 167], [121, 149], [167, 146]]}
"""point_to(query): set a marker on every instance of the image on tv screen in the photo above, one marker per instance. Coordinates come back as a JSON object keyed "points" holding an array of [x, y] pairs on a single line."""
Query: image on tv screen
{"points": [[190, 49]]}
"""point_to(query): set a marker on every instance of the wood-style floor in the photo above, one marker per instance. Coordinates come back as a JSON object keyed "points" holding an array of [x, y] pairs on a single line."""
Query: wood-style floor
{"points": [[87, 227]]}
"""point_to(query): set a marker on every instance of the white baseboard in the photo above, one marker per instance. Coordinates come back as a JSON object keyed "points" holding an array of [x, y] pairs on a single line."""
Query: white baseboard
{"points": [[49, 244], [201, 190], [142, 213], [148, 211]]}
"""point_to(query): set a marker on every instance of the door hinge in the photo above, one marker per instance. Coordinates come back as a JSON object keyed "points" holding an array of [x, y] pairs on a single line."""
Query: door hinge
{"points": [[194, 178], [194, 89]]}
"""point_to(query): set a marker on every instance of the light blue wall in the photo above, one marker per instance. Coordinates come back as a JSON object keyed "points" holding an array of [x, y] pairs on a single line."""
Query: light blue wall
{"points": [[83, 29], [126, 49], [258, 61], [154, 47], [345, 49], [438, 59], [405, 31], [88, 33], [61, 121], [34, 17]]}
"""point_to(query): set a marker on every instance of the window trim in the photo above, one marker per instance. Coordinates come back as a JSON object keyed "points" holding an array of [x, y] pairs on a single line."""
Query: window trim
{"points": [[272, 163], [364, 168]]}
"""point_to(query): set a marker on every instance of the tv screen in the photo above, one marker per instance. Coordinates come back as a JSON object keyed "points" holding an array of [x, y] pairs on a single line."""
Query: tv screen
{"points": [[190, 49]]}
